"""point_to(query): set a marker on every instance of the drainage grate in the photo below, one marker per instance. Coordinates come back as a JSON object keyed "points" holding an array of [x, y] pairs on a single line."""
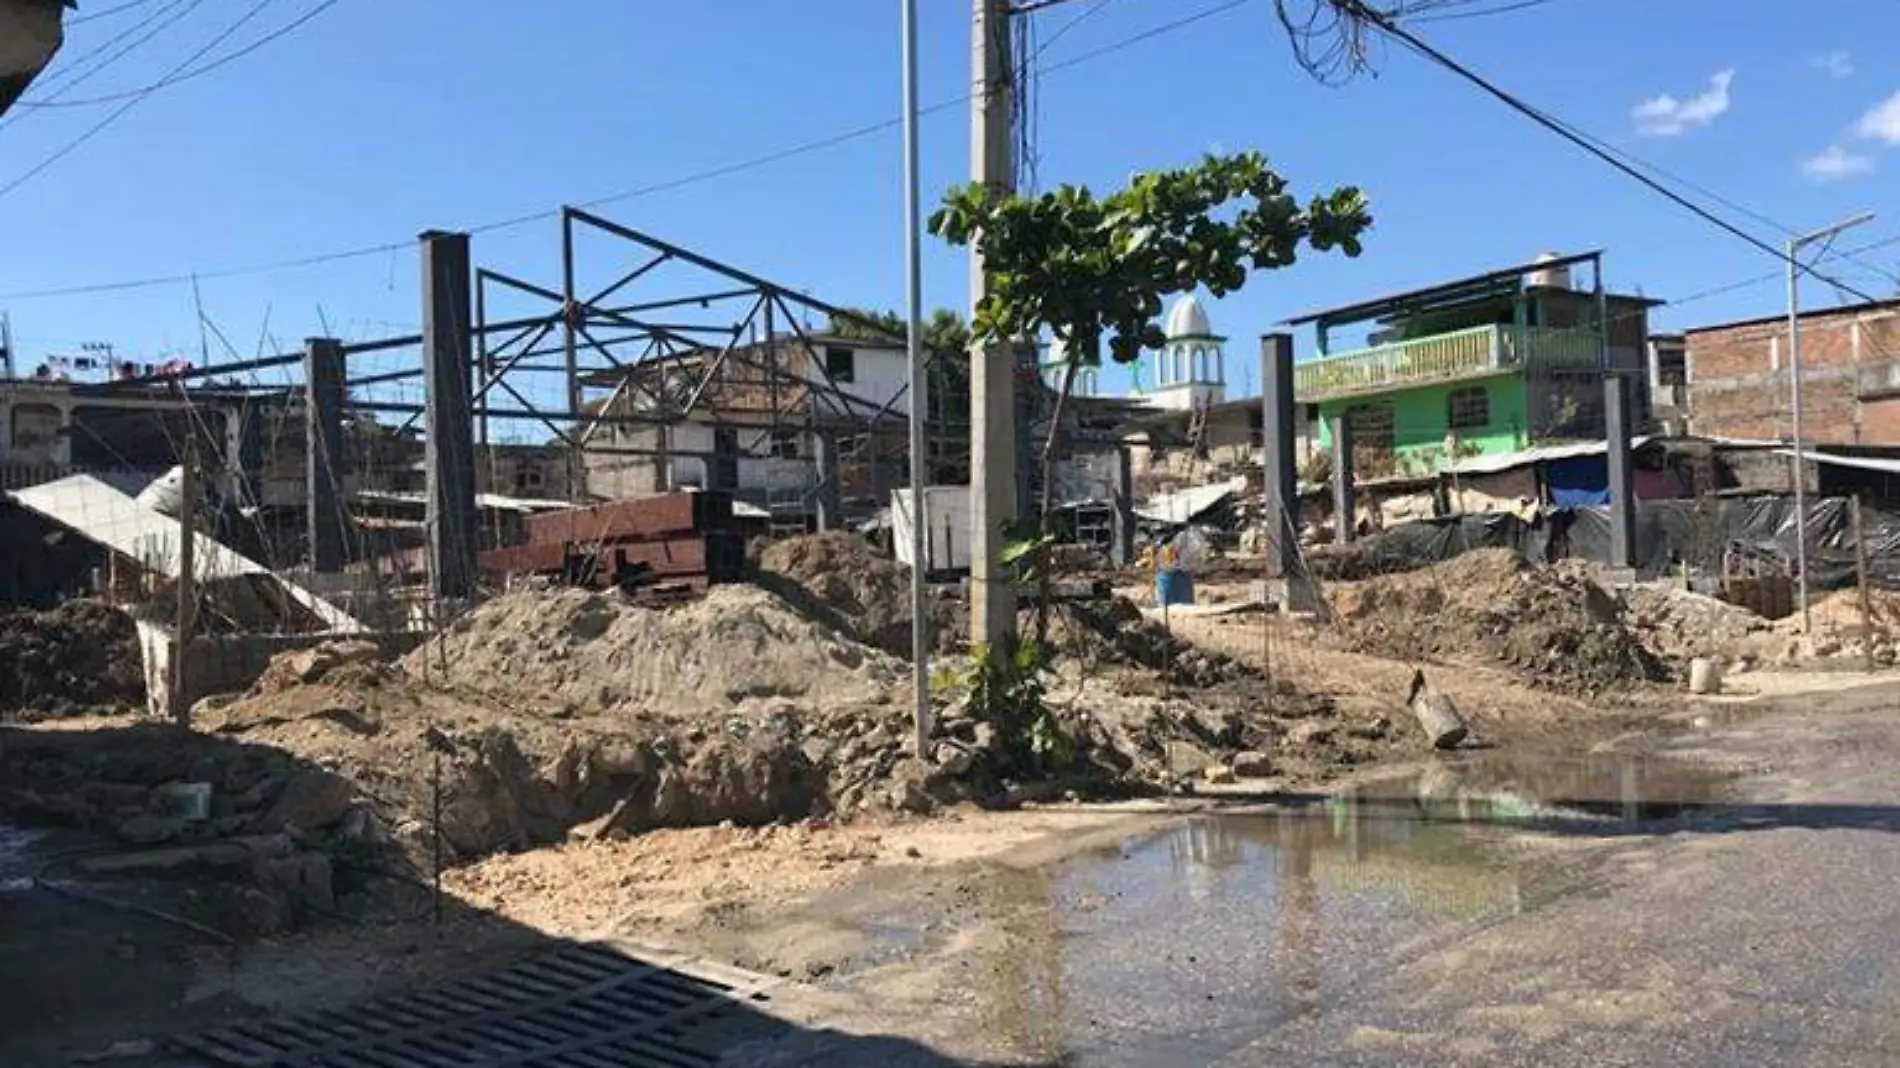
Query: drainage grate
{"points": [[589, 1006]]}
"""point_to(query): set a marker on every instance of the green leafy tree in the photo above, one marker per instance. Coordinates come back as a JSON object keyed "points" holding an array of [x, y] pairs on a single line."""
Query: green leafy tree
{"points": [[1097, 269]]}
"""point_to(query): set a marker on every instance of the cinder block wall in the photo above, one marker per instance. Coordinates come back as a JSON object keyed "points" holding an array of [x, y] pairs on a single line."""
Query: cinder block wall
{"points": [[1850, 382]]}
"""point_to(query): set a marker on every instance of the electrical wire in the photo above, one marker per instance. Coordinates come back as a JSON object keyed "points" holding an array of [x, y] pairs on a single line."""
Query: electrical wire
{"points": [[73, 72], [1501, 9], [694, 178], [1358, 9], [79, 20], [119, 112], [165, 83]]}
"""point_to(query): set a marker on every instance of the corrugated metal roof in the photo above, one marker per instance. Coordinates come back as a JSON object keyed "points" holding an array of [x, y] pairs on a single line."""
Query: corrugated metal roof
{"points": [[104, 515], [1183, 505], [1862, 463]]}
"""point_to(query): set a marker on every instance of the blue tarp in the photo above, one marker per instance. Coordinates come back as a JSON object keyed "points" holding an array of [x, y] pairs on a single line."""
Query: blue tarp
{"points": [[1578, 482]]}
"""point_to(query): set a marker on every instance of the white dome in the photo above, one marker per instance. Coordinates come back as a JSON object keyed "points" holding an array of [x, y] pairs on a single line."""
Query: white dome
{"points": [[1187, 319]]}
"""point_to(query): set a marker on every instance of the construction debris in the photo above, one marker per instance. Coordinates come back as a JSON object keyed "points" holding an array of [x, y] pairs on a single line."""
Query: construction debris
{"points": [[1437, 715], [80, 657], [1553, 625], [841, 579]]}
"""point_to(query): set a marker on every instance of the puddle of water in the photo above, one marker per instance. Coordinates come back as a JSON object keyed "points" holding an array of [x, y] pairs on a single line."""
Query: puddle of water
{"points": [[1184, 947], [18, 860], [1520, 788]]}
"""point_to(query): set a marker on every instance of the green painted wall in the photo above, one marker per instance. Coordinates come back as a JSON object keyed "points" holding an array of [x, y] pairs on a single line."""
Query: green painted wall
{"points": [[1420, 418]]}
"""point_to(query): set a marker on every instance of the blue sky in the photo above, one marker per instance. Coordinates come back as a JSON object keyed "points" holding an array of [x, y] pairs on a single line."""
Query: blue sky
{"points": [[381, 119]]}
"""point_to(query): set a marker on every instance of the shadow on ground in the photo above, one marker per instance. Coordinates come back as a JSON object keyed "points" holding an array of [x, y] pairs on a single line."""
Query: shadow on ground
{"points": [[137, 961]]}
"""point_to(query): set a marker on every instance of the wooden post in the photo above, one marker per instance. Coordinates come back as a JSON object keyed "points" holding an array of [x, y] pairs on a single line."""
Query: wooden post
{"points": [[187, 586], [1860, 572]]}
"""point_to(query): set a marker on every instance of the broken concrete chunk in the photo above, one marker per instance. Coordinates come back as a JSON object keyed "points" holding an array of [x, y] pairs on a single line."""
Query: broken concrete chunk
{"points": [[311, 800], [954, 760], [1218, 774], [1252, 765]]}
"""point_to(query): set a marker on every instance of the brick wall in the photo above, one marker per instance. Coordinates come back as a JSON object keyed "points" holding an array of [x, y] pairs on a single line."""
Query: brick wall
{"points": [[1850, 380]]}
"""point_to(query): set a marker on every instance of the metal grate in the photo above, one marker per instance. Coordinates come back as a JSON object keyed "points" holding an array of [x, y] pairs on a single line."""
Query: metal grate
{"points": [[588, 1006]]}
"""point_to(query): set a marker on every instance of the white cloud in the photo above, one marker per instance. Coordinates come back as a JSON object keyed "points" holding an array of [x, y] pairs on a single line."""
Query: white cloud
{"points": [[1835, 64], [1665, 116], [1834, 163], [1882, 122]]}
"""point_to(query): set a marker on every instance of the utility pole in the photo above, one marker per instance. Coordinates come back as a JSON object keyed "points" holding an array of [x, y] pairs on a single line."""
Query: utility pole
{"points": [[993, 429], [6, 345], [1795, 245], [919, 458], [185, 619]]}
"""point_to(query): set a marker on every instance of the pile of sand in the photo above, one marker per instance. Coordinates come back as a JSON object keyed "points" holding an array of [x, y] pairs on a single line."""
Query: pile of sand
{"points": [[843, 580], [80, 657], [583, 652], [1552, 625]]}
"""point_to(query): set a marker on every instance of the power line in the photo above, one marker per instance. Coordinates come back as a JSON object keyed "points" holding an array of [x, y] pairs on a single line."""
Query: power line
{"points": [[1358, 9], [274, 35], [67, 71], [81, 19], [119, 112], [1501, 9], [694, 178]]}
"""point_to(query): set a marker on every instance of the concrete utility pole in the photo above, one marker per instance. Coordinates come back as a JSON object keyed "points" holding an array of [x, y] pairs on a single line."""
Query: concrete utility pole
{"points": [[993, 429], [185, 620], [1795, 245], [919, 394], [1616, 435]]}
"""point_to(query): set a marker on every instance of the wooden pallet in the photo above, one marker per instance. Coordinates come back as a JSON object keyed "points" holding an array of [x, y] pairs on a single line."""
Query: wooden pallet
{"points": [[590, 1006]]}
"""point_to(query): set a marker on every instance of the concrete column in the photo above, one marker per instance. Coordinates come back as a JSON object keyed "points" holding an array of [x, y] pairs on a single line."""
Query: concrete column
{"points": [[1345, 529], [1278, 423], [449, 430], [1123, 550], [996, 480], [830, 502], [1616, 431], [324, 466]]}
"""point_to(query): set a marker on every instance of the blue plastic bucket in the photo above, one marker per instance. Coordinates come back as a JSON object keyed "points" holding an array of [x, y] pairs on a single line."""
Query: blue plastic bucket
{"points": [[1174, 586]]}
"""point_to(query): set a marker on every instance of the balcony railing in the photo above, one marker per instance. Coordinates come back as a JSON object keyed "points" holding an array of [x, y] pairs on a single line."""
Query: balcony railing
{"points": [[1471, 353]]}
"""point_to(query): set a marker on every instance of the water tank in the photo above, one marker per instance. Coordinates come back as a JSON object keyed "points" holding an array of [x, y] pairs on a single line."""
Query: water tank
{"points": [[1557, 277]]}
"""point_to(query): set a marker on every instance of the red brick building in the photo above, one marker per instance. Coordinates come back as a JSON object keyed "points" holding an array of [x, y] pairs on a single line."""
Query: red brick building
{"points": [[1850, 377]]}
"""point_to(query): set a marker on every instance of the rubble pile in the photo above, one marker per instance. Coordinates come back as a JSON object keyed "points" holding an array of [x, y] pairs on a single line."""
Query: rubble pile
{"points": [[1552, 625], [841, 579], [80, 657], [1840, 632], [1117, 634], [578, 652], [1677, 625]]}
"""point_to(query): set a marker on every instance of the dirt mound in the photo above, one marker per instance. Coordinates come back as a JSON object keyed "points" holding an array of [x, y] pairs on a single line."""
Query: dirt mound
{"points": [[841, 579], [1116, 633], [579, 652], [1553, 625], [1678, 625], [80, 657]]}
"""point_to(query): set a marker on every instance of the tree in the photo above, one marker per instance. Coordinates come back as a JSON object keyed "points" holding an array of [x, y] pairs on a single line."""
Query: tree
{"points": [[1090, 269]]}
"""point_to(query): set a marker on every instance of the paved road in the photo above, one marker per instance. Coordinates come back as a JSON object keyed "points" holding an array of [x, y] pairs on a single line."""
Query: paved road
{"points": [[1763, 934], [1761, 929]]}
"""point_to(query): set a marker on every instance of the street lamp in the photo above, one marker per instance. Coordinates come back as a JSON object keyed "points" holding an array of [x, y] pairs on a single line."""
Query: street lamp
{"points": [[1795, 245]]}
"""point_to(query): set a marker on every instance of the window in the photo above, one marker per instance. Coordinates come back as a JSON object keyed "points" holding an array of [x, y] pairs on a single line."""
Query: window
{"points": [[841, 364], [1468, 409], [1371, 427], [784, 444]]}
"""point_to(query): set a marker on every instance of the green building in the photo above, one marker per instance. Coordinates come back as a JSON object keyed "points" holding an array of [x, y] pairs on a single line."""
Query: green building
{"points": [[1490, 364]]}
